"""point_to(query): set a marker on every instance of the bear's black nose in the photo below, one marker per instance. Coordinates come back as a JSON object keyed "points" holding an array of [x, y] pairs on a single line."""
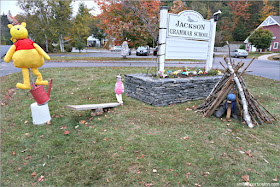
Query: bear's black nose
{"points": [[18, 29]]}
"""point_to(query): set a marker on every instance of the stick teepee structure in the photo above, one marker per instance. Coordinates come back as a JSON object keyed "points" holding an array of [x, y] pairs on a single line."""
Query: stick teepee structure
{"points": [[251, 110]]}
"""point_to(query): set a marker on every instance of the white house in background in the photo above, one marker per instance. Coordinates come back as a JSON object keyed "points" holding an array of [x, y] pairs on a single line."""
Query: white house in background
{"points": [[94, 42], [272, 23]]}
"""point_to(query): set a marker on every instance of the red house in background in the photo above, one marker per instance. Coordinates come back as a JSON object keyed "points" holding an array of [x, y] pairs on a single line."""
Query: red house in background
{"points": [[272, 23]]}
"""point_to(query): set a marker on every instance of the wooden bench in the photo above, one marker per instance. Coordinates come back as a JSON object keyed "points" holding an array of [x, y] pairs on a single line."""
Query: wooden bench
{"points": [[97, 109]]}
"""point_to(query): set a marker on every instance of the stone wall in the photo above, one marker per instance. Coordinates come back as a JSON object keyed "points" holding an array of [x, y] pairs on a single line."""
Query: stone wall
{"points": [[161, 92]]}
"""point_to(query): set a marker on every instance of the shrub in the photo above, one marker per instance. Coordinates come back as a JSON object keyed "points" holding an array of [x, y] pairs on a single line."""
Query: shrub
{"points": [[242, 46], [68, 47]]}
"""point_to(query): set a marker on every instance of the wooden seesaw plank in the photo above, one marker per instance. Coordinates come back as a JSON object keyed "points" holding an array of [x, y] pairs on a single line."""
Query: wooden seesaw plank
{"points": [[92, 106]]}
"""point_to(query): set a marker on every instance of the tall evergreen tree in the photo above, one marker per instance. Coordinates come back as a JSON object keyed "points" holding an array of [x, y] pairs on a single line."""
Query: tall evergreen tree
{"points": [[5, 31], [95, 30], [61, 21], [240, 32], [80, 28]]}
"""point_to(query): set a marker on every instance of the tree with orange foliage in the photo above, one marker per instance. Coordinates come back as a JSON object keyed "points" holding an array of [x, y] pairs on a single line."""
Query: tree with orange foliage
{"points": [[267, 10], [136, 21], [240, 11], [178, 6]]}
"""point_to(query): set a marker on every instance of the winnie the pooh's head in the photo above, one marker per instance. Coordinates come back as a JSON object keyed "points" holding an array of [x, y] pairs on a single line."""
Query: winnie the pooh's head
{"points": [[18, 31]]}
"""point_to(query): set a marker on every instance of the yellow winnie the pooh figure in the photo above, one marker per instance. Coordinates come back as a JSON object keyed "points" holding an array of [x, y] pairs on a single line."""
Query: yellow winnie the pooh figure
{"points": [[26, 54]]}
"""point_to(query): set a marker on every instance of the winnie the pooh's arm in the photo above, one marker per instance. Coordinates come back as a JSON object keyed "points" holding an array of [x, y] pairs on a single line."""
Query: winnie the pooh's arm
{"points": [[41, 51], [10, 53]]}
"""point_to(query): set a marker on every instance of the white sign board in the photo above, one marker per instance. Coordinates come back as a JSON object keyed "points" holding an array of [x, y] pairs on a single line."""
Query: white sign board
{"points": [[185, 36], [178, 48], [189, 24]]}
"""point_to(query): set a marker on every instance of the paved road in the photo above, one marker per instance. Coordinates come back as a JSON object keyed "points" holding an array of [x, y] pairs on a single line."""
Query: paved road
{"points": [[264, 68]]}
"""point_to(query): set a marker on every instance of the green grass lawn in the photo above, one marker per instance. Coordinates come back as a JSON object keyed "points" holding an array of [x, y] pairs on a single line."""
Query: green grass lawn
{"points": [[132, 145]]}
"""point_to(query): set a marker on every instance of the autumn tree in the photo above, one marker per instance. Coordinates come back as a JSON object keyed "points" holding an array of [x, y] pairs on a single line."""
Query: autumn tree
{"points": [[148, 13], [136, 21], [261, 38], [178, 6], [267, 10], [37, 17], [47, 20]]}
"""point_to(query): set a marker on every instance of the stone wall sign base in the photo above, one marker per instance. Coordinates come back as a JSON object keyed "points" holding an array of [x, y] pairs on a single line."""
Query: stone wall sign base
{"points": [[162, 92]]}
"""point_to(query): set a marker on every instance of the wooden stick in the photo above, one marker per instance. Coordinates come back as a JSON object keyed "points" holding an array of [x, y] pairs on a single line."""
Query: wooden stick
{"points": [[247, 117], [238, 104], [228, 110], [263, 107], [248, 65]]}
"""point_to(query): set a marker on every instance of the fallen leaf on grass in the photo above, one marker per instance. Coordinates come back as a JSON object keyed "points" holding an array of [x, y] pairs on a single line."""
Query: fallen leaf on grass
{"points": [[187, 109], [186, 138], [154, 170], [13, 153], [188, 174], [25, 122], [275, 180], [66, 132], [33, 174], [196, 184], [246, 178], [188, 163], [255, 172], [264, 159], [150, 184], [249, 153], [76, 126], [82, 122], [41, 178], [49, 122]]}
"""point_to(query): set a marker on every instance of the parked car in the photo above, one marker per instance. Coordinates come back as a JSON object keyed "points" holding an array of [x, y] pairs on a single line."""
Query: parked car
{"points": [[116, 48], [239, 53], [155, 51], [143, 51]]}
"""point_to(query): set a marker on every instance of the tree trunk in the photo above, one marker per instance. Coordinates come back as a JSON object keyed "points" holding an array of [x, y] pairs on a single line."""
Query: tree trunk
{"points": [[61, 43], [47, 43]]}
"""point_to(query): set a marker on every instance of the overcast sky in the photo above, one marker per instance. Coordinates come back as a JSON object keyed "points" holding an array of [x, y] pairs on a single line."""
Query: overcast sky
{"points": [[7, 5]]}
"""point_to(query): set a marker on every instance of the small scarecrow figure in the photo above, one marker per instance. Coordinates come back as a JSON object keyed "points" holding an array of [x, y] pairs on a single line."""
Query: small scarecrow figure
{"points": [[229, 107], [119, 89]]}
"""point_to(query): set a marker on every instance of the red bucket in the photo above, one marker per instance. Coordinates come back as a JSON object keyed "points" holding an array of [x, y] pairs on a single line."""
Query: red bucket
{"points": [[40, 95]]}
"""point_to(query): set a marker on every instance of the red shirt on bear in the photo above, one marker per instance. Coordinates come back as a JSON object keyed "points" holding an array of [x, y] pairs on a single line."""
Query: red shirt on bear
{"points": [[24, 44]]}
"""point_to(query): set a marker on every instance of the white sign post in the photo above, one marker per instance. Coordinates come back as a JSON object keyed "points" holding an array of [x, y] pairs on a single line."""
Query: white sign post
{"points": [[162, 37], [186, 36]]}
